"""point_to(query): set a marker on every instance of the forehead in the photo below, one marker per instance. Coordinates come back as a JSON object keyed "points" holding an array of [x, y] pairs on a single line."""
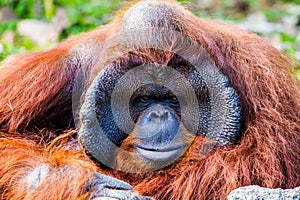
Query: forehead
{"points": [[153, 90]]}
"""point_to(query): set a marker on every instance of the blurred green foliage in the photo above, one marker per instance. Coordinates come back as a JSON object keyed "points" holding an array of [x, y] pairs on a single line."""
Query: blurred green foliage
{"points": [[83, 16]]}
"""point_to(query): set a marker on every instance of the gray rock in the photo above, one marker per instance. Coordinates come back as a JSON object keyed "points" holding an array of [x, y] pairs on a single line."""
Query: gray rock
{"points": [[1, 48], [6, 14], [60, 21], [41, 33], [260, 193]]}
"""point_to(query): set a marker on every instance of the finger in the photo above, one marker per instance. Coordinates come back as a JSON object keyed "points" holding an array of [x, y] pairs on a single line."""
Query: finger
{"points": [[119, 194], [103, 181]]}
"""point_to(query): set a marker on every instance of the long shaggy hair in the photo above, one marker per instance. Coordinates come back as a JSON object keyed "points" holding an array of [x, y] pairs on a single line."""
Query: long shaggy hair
{"points": [[35, 95]]}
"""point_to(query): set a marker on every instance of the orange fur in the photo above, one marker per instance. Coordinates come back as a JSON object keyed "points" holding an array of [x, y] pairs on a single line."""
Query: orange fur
{"points": [[32, 97], [19, 157]]}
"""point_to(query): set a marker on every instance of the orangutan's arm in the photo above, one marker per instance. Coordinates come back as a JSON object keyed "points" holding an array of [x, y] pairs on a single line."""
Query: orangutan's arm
{"points": [[30, 172]]}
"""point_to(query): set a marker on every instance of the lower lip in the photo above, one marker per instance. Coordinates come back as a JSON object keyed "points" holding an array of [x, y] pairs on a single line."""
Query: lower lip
{"points": [[158, 155]]}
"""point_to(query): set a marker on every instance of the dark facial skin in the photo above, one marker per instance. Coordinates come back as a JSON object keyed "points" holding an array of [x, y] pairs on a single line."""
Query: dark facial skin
{"points": [[150, 95], [162, 117], [158, 133], [156, 112]]}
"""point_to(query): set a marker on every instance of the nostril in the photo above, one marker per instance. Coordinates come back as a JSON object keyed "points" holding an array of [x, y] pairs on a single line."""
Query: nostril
{"points": [[159, 114]]}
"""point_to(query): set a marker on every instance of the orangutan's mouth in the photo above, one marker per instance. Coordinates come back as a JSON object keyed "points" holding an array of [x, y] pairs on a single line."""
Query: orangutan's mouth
{"points": [[160, 154]]}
